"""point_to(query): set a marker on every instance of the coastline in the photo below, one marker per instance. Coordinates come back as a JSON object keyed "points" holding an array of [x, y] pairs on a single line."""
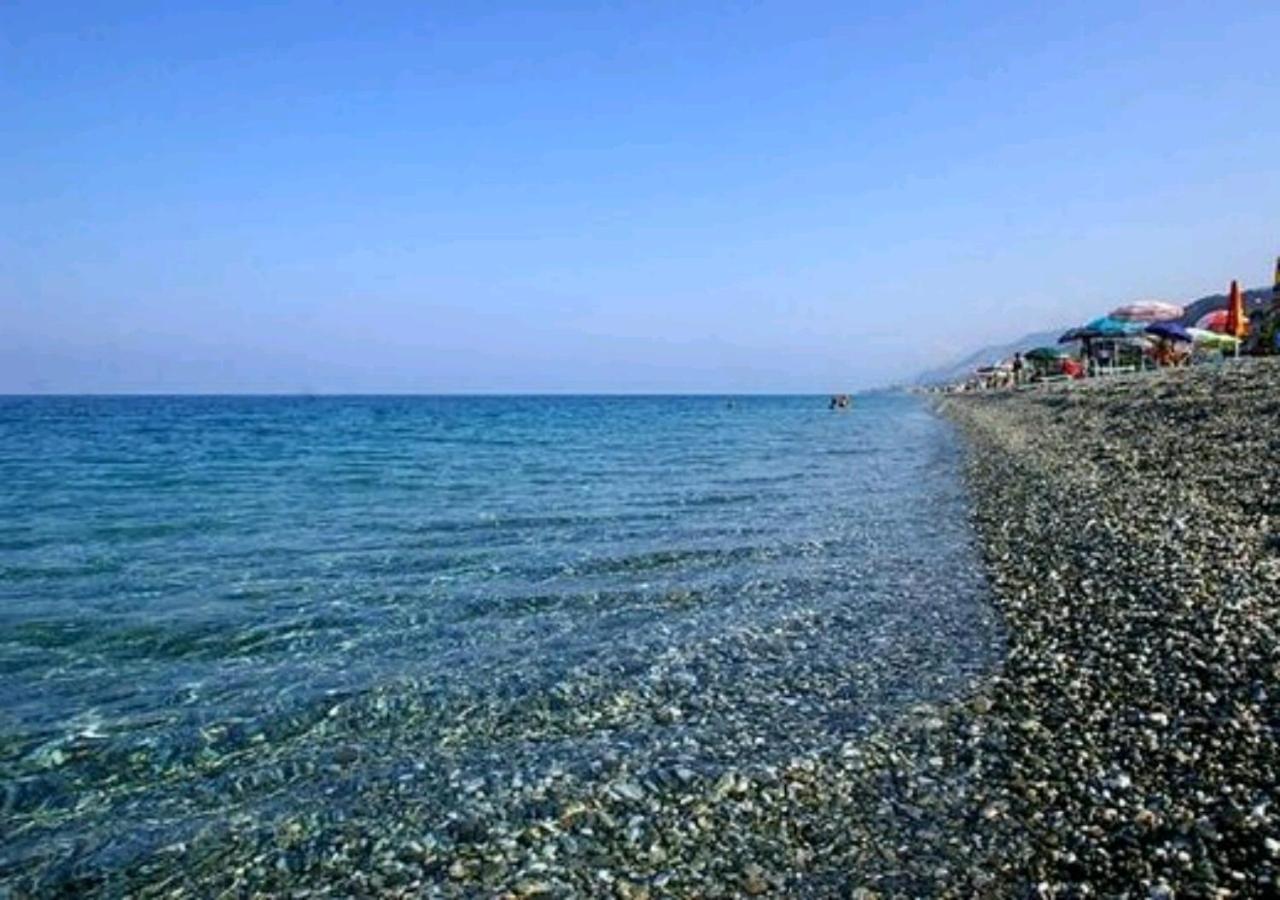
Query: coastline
{"points": [[1131, 530], [1125, 745]]}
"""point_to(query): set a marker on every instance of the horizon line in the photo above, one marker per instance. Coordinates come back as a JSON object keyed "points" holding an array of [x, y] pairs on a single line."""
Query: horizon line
{"points": [[32, 395]]}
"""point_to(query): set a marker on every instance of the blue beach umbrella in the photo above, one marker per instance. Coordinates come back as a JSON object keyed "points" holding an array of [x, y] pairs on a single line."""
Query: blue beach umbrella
{"points": [[1170, 331], [1110, 327], [1104, 327]]}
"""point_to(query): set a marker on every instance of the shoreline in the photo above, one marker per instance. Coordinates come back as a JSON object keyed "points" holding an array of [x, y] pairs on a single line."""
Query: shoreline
{"points": [[1125, 745], [1131, 530]]}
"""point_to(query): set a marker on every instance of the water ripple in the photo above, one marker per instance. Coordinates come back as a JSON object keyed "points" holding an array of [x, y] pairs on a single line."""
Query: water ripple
{"points": [[234, 607]]}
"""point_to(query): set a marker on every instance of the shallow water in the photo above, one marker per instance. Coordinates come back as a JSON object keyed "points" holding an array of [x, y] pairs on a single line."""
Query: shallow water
{"points": [[215, 611]]}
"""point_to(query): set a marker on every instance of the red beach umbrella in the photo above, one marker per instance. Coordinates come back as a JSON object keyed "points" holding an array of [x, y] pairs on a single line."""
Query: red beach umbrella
{"points": [[1214, 321], [1237, 324]]}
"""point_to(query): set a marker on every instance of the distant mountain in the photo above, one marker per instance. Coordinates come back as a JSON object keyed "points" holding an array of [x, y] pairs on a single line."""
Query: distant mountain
{"points": [[993, 353], [1255, 300]]}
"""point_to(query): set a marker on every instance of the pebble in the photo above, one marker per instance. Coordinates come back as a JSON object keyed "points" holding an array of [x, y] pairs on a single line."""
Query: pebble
{"points": [[1121, 749]]}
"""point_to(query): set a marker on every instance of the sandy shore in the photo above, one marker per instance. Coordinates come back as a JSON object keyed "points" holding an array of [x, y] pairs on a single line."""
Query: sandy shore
{"points": [[1127, 746]]}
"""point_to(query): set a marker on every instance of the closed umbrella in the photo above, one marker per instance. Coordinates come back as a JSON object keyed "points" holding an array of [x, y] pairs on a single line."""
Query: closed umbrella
{"points": [[1148, 311], [1237, 321]]}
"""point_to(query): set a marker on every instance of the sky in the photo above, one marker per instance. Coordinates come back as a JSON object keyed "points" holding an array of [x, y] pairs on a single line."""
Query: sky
{"points": [[610, 197]]}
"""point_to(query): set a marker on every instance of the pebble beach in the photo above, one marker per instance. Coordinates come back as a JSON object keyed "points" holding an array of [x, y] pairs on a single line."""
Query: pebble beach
{"points": [[1124, 746], [602, 451], [1127, 747], [1132, 532]]}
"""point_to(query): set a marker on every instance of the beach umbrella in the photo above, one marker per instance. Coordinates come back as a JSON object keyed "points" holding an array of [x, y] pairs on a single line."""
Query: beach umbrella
{"points": [[1044, 354], [1213, 321], [1212, 340], [1237, 324], [1074, 334], [1148, 311], [1108, 327], [1170, 331]]}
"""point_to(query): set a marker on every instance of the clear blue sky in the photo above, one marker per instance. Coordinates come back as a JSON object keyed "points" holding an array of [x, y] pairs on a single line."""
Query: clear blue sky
{"points": [[647, 196]]}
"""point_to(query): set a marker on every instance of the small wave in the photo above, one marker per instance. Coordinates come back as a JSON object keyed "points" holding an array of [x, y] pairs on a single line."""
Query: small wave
{"points": [[172, 641]]}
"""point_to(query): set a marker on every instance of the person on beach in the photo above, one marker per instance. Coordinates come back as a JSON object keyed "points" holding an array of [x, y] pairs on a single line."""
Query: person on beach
{"points": [[1162, 353], [1104, 356], [1017, 369]]}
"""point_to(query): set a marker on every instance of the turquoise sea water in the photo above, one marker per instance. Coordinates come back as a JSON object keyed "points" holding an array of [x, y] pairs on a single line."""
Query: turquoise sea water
{"points": [[214, 611]]}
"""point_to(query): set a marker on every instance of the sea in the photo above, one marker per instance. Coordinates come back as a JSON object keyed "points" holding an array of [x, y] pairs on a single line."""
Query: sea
{"points": [[217, 613]]}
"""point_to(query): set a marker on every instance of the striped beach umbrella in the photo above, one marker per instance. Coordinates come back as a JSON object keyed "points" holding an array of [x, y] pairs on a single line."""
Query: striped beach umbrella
{"points": [[1148, 311]]}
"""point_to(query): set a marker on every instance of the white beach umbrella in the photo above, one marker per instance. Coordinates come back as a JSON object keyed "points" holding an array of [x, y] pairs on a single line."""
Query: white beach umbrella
{"points": [[1148, 311]]}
